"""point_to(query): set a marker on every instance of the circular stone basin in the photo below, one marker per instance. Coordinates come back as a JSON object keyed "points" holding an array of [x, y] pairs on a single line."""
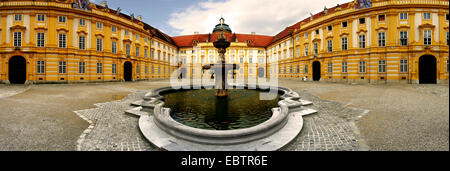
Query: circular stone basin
{"points": [[202, 109]]}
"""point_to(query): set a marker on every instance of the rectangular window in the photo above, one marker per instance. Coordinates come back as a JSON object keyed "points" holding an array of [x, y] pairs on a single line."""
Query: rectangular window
{"points": [[99, 25], [40, 67], [362, 66], [403, 16], [298, 69], [41, 17], [427, 37], [146, 69], [82, 22], [344, 67], [330, 68], [381, 66], [138, 37], [306, 50], [127, 33], [250, 60], [152, 54], [137, 51], [17, 39], [128, 49], [344, 43], [403, 66], [306, 35], [447, 17], [18, 17], [62, 40], [330, 28], [62, 19], [114, 29], [404, 38], [114, 68], [362, 21], [306, 69], [316, 48], [62, 67], [427, 16], [344, 24], [330, 46], [298, 52], [242, 60], [82, 43], [381, 18], [138, 69], [99, 68], [40, 42], [114, 47], [82, 67], [382, 39], [362, 41], [145, 53], [317, 32], [99, 45]]}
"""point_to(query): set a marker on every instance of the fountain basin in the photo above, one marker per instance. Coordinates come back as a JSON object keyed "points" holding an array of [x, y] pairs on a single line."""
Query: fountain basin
{"points": [[166, 133]]}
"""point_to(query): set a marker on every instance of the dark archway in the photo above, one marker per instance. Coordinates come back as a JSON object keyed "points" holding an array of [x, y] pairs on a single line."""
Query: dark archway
{"points": [[427, 70], [17, 70], [316, 71], [128, 71]]}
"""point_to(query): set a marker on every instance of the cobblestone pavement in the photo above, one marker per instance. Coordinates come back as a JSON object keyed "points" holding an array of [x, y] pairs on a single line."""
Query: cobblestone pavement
{"points": [[349, 118], [332, 129]]}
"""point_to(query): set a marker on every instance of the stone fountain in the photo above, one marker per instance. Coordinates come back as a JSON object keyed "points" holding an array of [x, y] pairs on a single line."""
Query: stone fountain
{"points": [[201, 120]]}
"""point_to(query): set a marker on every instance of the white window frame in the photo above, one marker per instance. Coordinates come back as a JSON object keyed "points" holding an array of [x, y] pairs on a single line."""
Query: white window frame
{"points": [[114, 68], [330, 67], [138, 49], [404, 66], [382, 66], [99, 45], [403, 34], [403, 16], [128, 49], [362, 66], [344, 67], [82, 22], [316, 48], [40, 39], [62, 39], [114, 29], [381, 39], [99, 68], [362, 41], [330, 46], [82, 42], [40, 17], [40, 68], [114, 47], [427, 16], [18, 17], [99, 25], [427, 37], [62, 19], [62, 67], [344, 43], [81, 67], [17, 39]]}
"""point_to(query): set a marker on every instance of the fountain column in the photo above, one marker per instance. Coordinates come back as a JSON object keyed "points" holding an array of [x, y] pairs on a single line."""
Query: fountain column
{"points": [[221, 81]]}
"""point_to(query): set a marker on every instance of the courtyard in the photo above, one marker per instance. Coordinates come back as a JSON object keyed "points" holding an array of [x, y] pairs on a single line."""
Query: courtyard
{"points": [[351, 117]]}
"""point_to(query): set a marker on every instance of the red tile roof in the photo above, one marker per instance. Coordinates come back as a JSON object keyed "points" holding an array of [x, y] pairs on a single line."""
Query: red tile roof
{"points": [[255, 40]]}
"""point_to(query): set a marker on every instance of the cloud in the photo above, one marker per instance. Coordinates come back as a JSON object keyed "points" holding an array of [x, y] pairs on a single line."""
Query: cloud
{"points": [[267, 17]]}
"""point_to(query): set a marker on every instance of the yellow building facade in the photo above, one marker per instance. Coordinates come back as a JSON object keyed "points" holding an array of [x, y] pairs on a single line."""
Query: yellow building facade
{"points": [[58, 41], [61, 41]]}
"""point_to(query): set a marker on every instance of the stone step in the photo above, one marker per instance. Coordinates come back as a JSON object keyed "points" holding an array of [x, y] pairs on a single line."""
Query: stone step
{"points": [[136, 111], [306, 111], [137, 103], [305, 102]]}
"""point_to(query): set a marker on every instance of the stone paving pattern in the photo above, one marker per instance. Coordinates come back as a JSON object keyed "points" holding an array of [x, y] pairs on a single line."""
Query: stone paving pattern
{"points": [[351, 117]]}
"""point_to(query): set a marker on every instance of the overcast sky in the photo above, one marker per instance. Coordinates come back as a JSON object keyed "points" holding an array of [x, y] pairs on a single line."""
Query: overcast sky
{"points": [[184, 17]]}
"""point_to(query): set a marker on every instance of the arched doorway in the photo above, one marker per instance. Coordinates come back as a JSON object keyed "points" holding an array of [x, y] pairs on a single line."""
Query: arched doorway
{"points": [[128, 71], [427, 70], [316, 71], [17, 70]]}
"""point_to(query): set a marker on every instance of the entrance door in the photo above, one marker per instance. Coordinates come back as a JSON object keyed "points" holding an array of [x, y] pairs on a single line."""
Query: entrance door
{"points": [[128, 71], [316, 71], [17, 70], [427, 70]]}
